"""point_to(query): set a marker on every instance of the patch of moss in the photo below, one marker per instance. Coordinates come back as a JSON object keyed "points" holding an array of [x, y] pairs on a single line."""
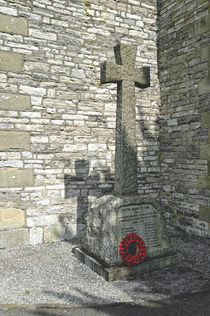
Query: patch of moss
{"points": [[87, 14], [10, 307], [98, 83], [87, 3], [27, 292], [175, 216]]}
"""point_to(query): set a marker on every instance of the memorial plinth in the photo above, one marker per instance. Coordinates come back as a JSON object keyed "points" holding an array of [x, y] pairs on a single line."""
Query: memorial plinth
{"points": [[110, 219], [125, 215]]}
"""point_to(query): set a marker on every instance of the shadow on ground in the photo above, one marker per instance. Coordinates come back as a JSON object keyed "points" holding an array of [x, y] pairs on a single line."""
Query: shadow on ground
{"points": [[192, 305]]}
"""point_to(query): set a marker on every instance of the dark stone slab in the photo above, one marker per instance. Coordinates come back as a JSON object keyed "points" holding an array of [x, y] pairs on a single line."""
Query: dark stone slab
{"points": [[124, 272]]}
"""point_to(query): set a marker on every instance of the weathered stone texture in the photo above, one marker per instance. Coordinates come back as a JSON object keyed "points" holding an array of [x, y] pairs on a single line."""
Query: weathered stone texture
{"points": [[204, 214], [11, 61], [36, 235], [14, 140], [54, 233], [113, 217], [126, 76], [13, 25], [14, 238], [12, 177], [204, 84], [11, 218], [50, 87], [202, 25], [12, 102], [184, 117]]}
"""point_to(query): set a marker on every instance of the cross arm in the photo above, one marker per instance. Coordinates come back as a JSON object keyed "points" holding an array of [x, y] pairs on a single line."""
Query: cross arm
{"points": [[110, 72], [142, 77]]}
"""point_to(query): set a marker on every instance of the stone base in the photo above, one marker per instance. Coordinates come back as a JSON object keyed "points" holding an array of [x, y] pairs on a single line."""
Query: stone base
{"points": [[125, 272], [113, 217]]}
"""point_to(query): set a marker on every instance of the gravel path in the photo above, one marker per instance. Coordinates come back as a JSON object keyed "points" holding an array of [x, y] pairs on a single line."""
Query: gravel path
{"points": [[50, 274]]}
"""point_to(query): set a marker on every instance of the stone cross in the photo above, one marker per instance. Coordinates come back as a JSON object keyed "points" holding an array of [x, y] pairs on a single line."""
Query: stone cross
{"points": [[124, 73]]}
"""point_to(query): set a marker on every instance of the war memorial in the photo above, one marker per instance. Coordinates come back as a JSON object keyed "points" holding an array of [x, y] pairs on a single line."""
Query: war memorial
{"points": [[104, 128]]}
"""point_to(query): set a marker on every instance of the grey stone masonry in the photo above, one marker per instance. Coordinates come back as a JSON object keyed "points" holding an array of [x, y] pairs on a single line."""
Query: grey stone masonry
{"points": [[50, 90], [204, 84], [62, 118], [126, 76], [184, 38]]}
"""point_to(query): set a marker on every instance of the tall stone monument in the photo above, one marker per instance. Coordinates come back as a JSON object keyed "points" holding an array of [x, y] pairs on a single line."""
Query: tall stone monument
{"points": [[123, 223]]}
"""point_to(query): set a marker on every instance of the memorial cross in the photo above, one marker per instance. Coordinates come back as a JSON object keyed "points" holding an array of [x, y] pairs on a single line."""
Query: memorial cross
{"points": [[126, 75]]}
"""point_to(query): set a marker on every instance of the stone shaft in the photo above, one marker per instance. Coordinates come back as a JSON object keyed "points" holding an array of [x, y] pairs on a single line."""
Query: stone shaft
{"points": [[126, 76], [125, 151]]}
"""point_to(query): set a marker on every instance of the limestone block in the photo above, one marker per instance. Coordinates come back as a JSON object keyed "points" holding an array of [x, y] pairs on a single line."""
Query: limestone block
{"points": [[36, 66], [202, 25], [78, 73], [12, 177], [204, 86], [54, 233], [205, 120], [11, 163], [205, 151], [14, 238], [201, 2], [10, 101], [11, 218], [205, 54], [203, 183], [75, 147], [3, 78], [9, 11], [33, 90], [42, 220], [13, 25], [43, 35], [14, 140], [11, 61], [201, 224], [204, 214], [36, 235]]}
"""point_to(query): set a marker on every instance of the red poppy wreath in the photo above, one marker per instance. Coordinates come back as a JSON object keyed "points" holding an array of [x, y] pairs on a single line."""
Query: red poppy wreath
{"points": [[132, 249]]}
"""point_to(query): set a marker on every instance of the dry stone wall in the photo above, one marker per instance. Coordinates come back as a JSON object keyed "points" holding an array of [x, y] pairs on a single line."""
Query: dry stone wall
{"points": [[184, 61], [57, 123]]}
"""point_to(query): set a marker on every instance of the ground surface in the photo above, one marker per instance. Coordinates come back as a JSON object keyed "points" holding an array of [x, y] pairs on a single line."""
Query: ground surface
{"points": [[192, 305], [51, 275]]}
